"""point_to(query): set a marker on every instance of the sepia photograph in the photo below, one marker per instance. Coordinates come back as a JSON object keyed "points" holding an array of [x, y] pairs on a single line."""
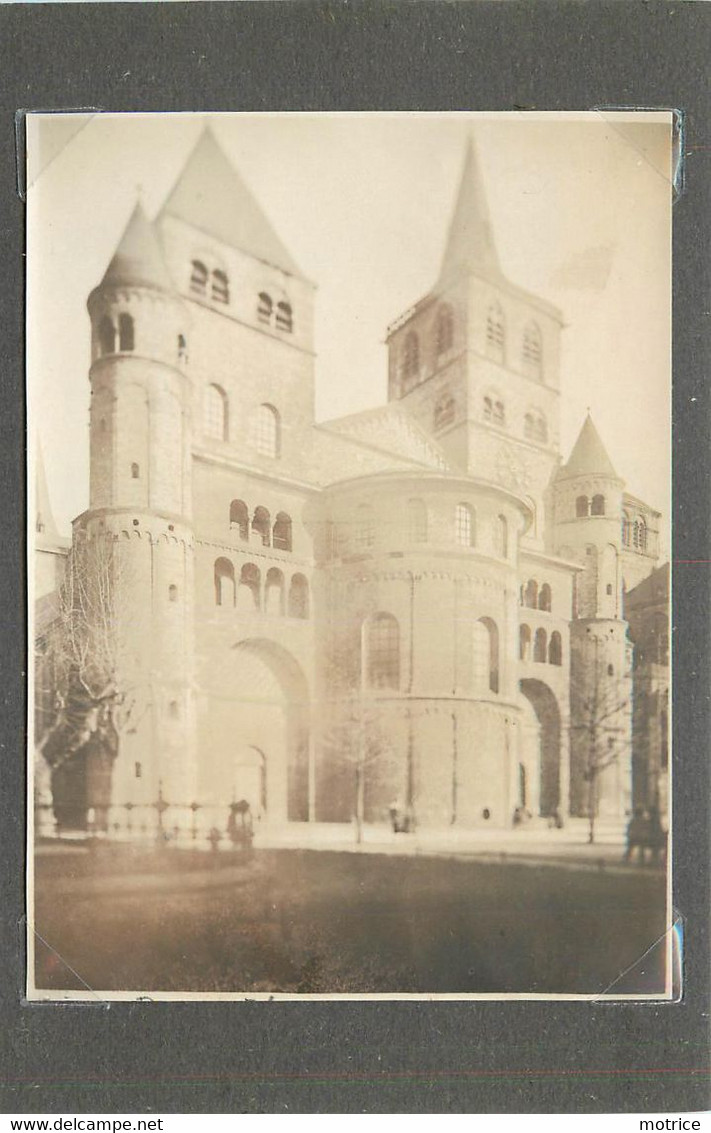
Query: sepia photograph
{"points": [[348, 555]]}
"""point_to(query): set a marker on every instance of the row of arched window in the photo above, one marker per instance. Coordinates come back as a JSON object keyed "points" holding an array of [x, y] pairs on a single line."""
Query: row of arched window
{"points": [[536, 597], [213, 284], [381, 645], [279, 315], [544, 651], [121, 337], [265, 425], [209, 284], [245, 592], [535, 426], [411, 357], [113, 338], [277, 535], [587, 506], [634, 532], [465, 527]]}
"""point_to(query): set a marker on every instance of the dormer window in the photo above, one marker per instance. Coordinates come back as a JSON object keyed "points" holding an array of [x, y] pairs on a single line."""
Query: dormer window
{"points": [[198, 278], [284, 317], [220, 287], [264, 308]]}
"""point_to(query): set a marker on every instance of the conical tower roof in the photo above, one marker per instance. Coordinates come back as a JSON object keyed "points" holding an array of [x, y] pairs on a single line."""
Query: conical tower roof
{"points": [[470, 249], [210, 195], [138, 259], [589, 456]]}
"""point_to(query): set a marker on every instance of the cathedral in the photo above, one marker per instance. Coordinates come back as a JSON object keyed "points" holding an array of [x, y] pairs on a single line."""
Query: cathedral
{"points": [[421, 603]]}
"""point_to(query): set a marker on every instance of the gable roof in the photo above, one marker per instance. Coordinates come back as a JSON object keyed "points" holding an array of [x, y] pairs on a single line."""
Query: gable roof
{"points": [[210, 195], [390, 431]]}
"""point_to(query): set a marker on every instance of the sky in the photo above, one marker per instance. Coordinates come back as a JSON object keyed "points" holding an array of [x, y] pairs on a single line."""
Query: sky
{"points": [[581, 211]]}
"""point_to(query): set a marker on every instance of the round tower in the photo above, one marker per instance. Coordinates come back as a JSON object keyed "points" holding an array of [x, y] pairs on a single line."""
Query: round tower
{"points": [[140, 502], [587, 500]]}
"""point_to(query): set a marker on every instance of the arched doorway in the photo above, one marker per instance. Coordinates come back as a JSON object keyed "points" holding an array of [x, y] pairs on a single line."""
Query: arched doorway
{"points": [[544, 734], [254, 731], [249, 780]]}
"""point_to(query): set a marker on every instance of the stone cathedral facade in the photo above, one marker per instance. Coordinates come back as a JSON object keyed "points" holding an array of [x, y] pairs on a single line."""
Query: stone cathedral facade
{"points": [[420, 602]]}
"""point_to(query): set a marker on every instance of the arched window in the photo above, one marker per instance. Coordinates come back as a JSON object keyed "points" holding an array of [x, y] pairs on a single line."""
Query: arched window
{"points": [[539, 645], [485, 646], [417, 521], [282, 532], [499, 413], [299, 597], [532, 352], [266, 431], [198, 278], [410, 360], [107, 336], [535, 426], [582, 507], [126, 335], [524, 642], [249, 587], [224, 583], [501, 530], [382, 651], [239, 519], [597, 507], [215, 413], [495, 332], [610, 670], [465, 525], [364, 527], [488, 409], [274, 593], [555, 649], [261, 523], [174, 710], [135, 471], [544, 598], [182, 348], [284, 317], [444, 410], [626, 530], [264, 307], [172, 592], [220, 286], [444, 335], [531, 594], [639, 534]]}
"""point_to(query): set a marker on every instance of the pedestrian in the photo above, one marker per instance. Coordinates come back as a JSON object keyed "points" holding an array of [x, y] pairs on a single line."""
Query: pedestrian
{"points": [[637, 835]]}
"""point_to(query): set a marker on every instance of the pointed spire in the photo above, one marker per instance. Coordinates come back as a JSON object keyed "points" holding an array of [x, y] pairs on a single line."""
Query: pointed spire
{"points": [[470, 246], [589, 456], [210, 195], [44, 518], [138, 259]]}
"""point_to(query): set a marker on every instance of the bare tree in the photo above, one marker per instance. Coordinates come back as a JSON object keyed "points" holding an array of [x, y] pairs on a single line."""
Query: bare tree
{"points": [[600, 708], [354, 743], [83, 703]]}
